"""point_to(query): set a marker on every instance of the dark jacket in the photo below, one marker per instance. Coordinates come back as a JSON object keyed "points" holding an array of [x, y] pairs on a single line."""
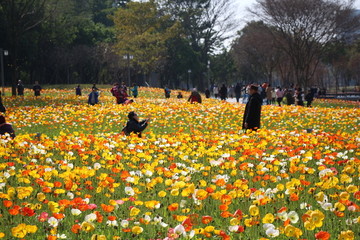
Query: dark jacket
{"points": [[20, 89], [78, 91], [2, 107], [37, 89], [7, 128], [223, 92], [93, 98], [133, 126], [238, 90], [252, 112]]}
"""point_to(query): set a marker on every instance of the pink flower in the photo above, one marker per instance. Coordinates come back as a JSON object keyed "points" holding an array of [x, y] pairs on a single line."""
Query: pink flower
{"points": [[43, 217], [92, 206], [120, 201], [172, 234]]}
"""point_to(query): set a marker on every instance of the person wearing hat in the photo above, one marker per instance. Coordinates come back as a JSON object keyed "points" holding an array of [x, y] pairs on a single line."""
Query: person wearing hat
{"points": [[252, 112], [134, 125], [6, 128]]}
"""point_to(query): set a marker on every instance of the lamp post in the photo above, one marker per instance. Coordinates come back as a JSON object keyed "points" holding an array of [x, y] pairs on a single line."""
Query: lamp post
{"points": [[208, 74], [128, 57], [189, 72], [2, 54]]}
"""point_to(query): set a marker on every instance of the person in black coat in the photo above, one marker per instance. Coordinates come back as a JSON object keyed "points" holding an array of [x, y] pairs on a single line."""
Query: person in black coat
{"points": [[252, 112], [20, 88], [37, 89], [2, 107], [134, 125], [78, 91], [6, 127], [238, 92], [223, 92]]}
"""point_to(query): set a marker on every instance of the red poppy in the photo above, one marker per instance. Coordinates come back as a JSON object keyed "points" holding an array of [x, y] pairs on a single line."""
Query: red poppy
{"points": [[322, 235]]}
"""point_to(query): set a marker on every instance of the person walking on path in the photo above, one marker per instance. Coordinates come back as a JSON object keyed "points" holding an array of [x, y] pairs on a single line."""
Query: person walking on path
{"points": [[6, 128], [238, 92], [37, 89], [134, 125], [299, 96], [309, 98], [223, 92], [251, 119], [20, 88], [268, 91], [207, 93], [279, 95], [216, 91]]}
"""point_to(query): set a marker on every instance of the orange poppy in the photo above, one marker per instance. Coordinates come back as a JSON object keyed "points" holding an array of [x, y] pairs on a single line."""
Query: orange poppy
{"points": [[107, 208], [76, 228], [7, 203], [322, 235], [206, 219]]}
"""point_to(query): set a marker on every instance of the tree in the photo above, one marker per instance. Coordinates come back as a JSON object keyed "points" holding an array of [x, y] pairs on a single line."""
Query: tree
{"points": [[223, 68], [206, 24], [20, 17], [255, 47], [304, 27], [142, 31]]}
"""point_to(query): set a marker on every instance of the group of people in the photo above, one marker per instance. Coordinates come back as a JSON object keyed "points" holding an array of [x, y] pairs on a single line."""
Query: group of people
{"points": [[194, 97], [120, 93], [21, 88], [224, 92], [269, 95]]}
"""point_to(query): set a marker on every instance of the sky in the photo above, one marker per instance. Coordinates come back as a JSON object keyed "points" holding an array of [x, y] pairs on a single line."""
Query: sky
{"points": [[242, 14]]}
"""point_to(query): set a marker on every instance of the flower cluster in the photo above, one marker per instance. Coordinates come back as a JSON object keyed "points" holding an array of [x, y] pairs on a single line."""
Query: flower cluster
{"points": [[194, 174]]}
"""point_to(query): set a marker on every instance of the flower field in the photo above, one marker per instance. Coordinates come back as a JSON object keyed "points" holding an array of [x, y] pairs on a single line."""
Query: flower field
{"points": [[71, 174]]}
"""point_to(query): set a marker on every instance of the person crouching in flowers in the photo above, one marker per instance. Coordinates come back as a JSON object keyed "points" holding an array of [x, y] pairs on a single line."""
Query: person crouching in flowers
{"points": [[134, 125], [6, 128]]}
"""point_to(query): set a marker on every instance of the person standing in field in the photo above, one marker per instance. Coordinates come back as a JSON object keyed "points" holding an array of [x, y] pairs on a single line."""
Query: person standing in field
{"points": [[37, 89], [20, 88], [251, 118], [135, 91], [78, 91], [93, 97]]}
